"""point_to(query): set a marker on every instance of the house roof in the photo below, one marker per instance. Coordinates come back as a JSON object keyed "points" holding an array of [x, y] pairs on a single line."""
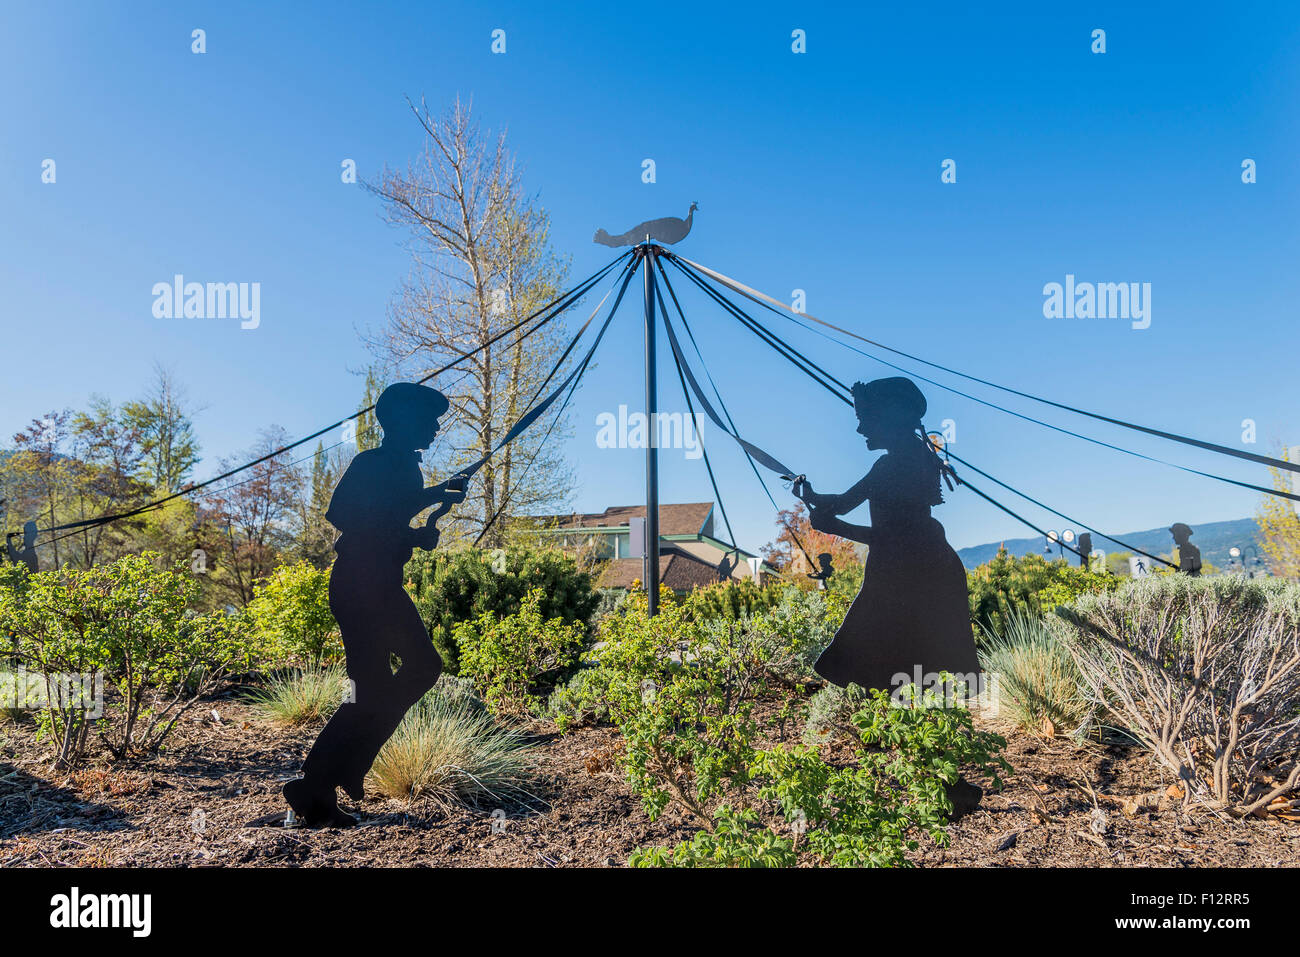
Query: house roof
{"points": [[686, 519], [678, 570]]}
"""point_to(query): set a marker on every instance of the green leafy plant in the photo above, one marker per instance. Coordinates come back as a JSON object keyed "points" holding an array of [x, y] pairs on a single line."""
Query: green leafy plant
{"points": [[1030, 583], [507, 657], [464, 584], [736, 840], [871, 813], [290, 613], [736, 599], [831, 711], [582, 699], [797, 629], [866, 814], [128, 625], [682, 690]]}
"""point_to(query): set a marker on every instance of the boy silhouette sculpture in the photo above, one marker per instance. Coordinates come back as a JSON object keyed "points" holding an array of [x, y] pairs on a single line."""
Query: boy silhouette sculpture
{"points": [[1189, 556], [825, 569], [372, 507], [912, 610]]}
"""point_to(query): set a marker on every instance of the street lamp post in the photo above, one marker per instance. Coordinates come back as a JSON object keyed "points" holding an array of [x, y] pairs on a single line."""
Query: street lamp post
{"points": [[1060, 540]]}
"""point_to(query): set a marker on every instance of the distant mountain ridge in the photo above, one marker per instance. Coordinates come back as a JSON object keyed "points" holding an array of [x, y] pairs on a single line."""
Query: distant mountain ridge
{"points": [[1213, 538]]}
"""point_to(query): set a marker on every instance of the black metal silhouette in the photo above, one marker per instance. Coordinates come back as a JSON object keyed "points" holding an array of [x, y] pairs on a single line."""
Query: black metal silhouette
{"points": [[1084, 545], [824, 569], [725, 568], [372, 507], [669, 229], [27, 556], [1189, 556], [911, 614]]}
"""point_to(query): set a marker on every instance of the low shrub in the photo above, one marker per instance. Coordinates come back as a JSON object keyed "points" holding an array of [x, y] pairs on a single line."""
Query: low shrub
{"points": [[866, 814], [736, 599], [583, 699], [507, 658], [682, 690], [831, 711], [737, 839], [1204, 673], [449, 752], [124, 627], [462, 585], [1031, 584], [797, 629]]}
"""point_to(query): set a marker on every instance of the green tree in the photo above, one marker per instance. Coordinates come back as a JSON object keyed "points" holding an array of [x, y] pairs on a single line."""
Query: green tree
{"points": [[290, 614], [1279, 526], [163, 420], [1030, 583], [314, 535]]}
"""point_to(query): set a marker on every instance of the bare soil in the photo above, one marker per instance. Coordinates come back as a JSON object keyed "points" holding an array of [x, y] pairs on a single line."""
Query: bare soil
{"points": [[204, 802]]}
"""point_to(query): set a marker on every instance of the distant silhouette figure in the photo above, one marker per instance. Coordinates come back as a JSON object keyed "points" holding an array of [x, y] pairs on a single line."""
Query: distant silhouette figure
{"points": [[912, 610], [1189, 556], [372, 507], [1085, 550], [28, 554], [725, 568], [670, 229], [824, 570]]}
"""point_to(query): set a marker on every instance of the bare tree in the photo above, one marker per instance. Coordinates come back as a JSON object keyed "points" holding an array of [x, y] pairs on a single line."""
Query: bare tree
{"points": [[481, 262], [248, 520]]}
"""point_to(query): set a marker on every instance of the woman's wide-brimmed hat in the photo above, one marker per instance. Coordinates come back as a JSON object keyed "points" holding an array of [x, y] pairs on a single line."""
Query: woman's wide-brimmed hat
{"points": [[896, 395]]}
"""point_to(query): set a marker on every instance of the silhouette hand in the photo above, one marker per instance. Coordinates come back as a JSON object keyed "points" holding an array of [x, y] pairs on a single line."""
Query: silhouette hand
{"points": [[453, 490], [820, 519], [804, 491]]}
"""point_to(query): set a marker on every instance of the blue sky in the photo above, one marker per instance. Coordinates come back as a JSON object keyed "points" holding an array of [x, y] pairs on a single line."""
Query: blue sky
{"points": [[818, 171]]}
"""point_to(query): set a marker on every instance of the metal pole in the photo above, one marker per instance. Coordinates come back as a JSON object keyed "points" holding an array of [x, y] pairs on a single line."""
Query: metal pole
{"points": [[648, 252]]}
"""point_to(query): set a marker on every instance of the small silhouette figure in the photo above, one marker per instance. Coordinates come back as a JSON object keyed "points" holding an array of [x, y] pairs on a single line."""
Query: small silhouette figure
{"points": [[824, 570], [28, 554], [725, 568], [912, 610], [1084, 545], [372, 507], [669, 229], [1189, 556]]}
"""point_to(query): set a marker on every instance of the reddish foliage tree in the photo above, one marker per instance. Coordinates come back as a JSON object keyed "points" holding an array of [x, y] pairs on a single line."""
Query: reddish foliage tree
{"points": [[794, 528]]}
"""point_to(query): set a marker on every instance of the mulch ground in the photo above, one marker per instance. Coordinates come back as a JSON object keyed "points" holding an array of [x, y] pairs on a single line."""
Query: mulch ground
{"points": [[198, 804]]}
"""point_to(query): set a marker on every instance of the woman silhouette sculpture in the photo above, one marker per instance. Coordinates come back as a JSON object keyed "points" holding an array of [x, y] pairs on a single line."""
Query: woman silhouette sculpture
{"points": [[911, 618]]}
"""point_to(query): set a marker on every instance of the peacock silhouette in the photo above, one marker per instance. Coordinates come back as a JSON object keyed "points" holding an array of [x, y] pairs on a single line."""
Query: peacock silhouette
{"points": [[670, 229]]}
